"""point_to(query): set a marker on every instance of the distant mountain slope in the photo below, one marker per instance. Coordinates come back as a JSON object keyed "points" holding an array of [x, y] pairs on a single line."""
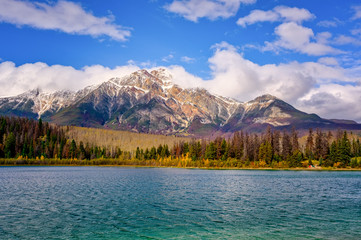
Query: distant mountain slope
{"points": [[150, 102]]}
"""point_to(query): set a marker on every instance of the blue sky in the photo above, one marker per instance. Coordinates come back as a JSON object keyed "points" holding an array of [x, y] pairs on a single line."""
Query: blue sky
{"points": [[306, 52]]}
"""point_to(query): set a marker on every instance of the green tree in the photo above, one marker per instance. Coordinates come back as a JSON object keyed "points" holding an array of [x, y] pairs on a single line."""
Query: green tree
{"points": [[334, 155], [82, 153], [10, 146], [265, 152], [153, 153], [137, 153], [309, 145], [345, 150], [224, 149], [210, 151], [286, 146], [296, 159], [72, 149], [294, 141]]}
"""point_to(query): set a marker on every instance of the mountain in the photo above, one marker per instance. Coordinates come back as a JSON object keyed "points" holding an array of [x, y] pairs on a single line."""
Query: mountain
{"points": [[150, 102]]}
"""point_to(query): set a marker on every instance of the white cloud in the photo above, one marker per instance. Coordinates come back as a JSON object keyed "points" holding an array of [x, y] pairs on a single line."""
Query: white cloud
{"points": [[168, 58], [184, 78], [292, 36], [279, 13], [188, 59], [258, 16], [322, 87], [344, 40], [237, 77], [328, 61], [64, 16], [334, 101], [357, 14], [356, 31], [294, 14], [212, 9], [323, 37], [18, 79], [148, 64], [330, 23]]}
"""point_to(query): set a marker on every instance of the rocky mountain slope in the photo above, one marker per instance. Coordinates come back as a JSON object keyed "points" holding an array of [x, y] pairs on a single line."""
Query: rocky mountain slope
{"points": [[150, 102]]}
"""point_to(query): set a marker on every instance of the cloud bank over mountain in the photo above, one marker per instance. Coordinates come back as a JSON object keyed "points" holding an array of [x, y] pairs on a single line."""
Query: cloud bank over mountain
{"points": [[328, 90]]}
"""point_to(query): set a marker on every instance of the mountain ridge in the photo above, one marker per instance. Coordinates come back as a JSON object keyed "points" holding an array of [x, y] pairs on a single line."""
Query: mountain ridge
{"points": [[150, 102]]}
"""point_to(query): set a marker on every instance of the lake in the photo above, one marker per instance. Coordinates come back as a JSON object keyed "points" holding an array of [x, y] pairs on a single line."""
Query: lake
{"points": [[164, 203]]}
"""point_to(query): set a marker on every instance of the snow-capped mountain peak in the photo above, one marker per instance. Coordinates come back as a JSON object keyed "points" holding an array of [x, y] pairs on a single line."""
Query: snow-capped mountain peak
{"points": [[150, 102]]}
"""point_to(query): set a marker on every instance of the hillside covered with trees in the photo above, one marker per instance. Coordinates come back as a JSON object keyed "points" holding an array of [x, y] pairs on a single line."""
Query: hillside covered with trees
{"points": [[127, 141], [25, 142]]}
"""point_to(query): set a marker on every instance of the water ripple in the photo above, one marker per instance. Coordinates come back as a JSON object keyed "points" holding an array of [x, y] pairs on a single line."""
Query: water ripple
{"points": [[141, 203]]}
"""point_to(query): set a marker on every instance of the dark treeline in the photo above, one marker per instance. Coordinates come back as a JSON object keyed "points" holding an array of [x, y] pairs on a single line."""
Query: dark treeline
{"points": [[276, 149], [23, 139], [30, 139]]}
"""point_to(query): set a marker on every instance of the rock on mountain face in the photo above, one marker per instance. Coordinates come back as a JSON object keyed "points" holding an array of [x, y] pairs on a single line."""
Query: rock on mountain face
{"points": [[150, 102]]}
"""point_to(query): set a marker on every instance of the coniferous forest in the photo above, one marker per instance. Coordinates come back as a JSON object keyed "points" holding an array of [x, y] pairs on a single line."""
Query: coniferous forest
{"points": [[29, 142]]}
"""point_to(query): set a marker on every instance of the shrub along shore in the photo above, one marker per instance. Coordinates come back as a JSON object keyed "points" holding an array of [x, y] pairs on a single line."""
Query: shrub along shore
{"points": [[165, 163]]}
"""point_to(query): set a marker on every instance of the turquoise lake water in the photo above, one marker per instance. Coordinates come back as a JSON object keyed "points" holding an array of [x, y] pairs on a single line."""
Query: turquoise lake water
{"points": [[153, 203]]}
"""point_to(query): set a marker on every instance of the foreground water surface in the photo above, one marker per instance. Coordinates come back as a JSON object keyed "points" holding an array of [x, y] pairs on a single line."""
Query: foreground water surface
{"points": [[153, 203]]}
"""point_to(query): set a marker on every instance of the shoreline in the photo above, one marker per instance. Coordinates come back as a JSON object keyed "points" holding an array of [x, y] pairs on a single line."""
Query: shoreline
{"points": [[190, 168]]}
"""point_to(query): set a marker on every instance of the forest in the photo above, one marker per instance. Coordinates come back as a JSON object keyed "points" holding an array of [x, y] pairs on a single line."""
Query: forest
{"points": [[29, 142]]}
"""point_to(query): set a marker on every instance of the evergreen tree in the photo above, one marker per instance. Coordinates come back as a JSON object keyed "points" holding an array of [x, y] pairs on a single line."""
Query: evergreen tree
{"points": [[286, 146], [276, 144], [82, 153], [265, 152], [72, 150], [185, 148], [309, 145], [224, 150], [294, 139], [296, 159], [137, 153], [318, 144], [211, 151], [334, 155], [345, 150], [2, 129], [153, 153], [10, 146]]}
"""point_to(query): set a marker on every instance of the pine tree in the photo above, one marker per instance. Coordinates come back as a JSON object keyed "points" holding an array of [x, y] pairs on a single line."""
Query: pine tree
{"points": [[276, 144], [224, 150], [296, 159], [10, 143], [153, 153], [309, 145], [286, 146], [334, 155], [211, 151], [82, 153], [294, 140], [72, 150], [345, 150], [318, 144], [137, 153], [2, 129], [265, 152], [325, 147]]}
